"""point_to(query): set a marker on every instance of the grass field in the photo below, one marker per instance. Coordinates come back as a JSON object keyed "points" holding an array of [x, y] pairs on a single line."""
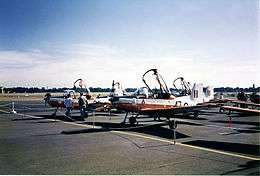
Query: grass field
{"points": [[40, 96], [36, 96]]}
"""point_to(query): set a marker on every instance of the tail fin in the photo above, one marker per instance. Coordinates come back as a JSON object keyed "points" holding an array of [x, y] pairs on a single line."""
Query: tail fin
{"points": [[197, 92], [209, 94]]}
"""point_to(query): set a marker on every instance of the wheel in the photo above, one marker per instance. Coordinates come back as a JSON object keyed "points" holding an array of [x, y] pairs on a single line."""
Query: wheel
{"points": [[132, 120], [53, 115], [156, 116], [221, 110], [196, 114]]}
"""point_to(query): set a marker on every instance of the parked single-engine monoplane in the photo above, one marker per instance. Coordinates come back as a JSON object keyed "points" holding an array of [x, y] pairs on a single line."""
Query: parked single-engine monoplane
{"points": [[161, 102], [93, 103], [242, 104]]}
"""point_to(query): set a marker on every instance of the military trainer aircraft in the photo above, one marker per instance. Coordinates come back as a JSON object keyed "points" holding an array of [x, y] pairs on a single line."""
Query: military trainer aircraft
{"points": [[93, 103], [160, 101]]}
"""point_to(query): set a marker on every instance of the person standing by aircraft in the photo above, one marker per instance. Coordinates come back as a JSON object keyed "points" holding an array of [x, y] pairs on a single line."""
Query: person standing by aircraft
{"points": [[68, 104], [82, 105]]}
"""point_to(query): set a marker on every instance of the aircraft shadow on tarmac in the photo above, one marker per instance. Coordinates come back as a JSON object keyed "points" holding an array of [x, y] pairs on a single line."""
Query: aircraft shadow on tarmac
{"points": [[160, 132], [234, 114], [227, 146], [42, 117], [155, 129], [46, 121], [178, 122], [28, 118], [255, 129], [238, 114], [48, 134], [208, 113], [61, 117], [237, 122], [190, 117], [100, 114], [248, 130], [248, 165]]}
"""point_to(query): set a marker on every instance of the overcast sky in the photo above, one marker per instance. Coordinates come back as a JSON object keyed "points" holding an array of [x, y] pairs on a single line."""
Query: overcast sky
{"points": [[54, 42]]}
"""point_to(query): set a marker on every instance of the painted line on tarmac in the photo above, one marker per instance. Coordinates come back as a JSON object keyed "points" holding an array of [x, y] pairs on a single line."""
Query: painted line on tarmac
{"points": [[4, 111], [36, 117], [155, 139], [215, 126], [26, 115], [186, 145], [82, 125], [167, 141]]}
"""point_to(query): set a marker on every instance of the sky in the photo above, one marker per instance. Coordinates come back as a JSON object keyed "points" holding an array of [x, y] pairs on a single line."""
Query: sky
{"points": [[51, 43]]}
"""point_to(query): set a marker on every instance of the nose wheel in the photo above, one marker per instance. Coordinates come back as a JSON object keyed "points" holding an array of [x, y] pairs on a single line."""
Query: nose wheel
{"points": [[132, 120]]}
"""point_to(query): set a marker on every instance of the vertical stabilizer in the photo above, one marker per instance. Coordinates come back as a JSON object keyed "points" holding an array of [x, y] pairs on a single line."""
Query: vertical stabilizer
{"points": [[197, 94], [209, 94]]}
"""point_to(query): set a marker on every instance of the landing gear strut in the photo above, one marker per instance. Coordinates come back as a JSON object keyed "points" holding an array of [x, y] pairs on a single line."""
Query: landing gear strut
{"points": [[132, 119], [54, 113], [125, 118]]}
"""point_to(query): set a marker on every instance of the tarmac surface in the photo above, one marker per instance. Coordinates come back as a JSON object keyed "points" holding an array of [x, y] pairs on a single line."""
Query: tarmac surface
{"points": [[32, 142]]}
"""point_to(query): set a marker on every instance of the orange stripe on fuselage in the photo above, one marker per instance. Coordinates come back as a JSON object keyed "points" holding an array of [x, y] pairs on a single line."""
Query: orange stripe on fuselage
{"points": [[138, 107]]}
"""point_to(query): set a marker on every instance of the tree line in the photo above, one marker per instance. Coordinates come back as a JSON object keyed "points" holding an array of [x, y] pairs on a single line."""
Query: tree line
{"points": [[99, 89]]}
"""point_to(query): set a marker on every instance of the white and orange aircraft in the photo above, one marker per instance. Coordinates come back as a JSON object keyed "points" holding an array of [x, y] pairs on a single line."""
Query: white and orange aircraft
{"points": [[98, 103], [161, 102], [93, 103]]}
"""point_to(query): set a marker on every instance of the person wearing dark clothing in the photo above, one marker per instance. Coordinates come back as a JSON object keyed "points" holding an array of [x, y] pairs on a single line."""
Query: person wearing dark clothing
{"points": [[83, 105]]}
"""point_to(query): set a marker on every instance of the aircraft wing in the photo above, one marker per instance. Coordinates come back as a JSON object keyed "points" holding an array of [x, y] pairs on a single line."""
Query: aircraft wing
{"points": [[168, 111], [243, 110], [238, 102]]}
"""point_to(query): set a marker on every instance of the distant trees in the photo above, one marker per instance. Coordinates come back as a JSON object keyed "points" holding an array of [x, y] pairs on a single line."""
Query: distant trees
{"points": [[130, 89], [99, 89], [237, 89], [32, 90]]}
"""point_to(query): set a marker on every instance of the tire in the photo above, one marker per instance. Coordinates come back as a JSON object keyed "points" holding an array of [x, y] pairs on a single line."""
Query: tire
{"points": [[196, 114], [53, 115], [132, 120]]}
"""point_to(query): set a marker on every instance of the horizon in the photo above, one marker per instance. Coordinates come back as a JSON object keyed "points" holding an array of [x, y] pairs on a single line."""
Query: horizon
{"points": [[47, 88], [52, 43]]}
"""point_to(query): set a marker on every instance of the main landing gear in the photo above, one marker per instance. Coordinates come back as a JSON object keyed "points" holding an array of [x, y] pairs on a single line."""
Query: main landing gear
{"points": [[196, 114], [156, 116], [132, 120], [54, 114]]}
